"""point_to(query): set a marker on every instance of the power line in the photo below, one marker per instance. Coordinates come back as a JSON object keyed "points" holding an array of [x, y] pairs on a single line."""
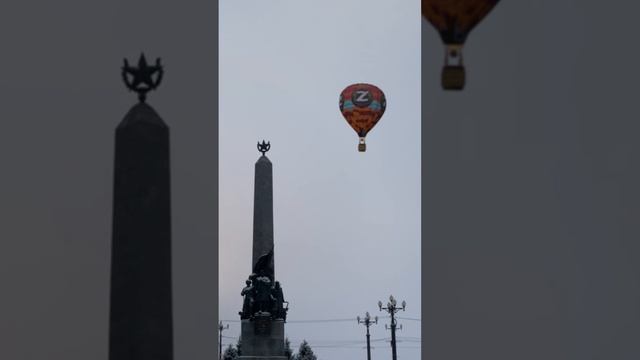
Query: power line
{"points": [[357, 346], [320, 321], [404, 342], [308, 321], [350, 341], [358, 341]]}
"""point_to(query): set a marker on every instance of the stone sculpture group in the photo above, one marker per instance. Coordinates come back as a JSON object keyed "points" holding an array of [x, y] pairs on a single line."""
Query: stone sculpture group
{"points": [[262, 296]]}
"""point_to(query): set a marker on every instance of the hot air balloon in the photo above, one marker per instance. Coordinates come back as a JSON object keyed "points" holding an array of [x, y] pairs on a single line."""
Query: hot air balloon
{"points": [[454, 19], [362, 105]]}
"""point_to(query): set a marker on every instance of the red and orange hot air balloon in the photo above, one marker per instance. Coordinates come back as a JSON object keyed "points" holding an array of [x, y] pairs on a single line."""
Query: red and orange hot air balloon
{"points": [[454, 20], [362, 105]]}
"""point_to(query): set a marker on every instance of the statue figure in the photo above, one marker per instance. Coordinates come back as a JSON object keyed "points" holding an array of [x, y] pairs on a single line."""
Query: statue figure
{"points": [[279, 310], [264, 299], [247, 305]]}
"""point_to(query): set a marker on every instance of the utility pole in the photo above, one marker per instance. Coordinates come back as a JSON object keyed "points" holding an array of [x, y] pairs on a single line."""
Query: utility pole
{"points": [[367, 322], [221, 328], [392, 309]]}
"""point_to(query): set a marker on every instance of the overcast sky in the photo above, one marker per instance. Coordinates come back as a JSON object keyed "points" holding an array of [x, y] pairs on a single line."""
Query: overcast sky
{"points": [[346, 224]]}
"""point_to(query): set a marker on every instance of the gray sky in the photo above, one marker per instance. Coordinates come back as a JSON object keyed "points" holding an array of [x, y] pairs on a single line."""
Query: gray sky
{"points": [[347, 224]]}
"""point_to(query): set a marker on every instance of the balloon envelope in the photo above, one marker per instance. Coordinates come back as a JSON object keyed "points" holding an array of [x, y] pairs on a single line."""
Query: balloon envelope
{"points": [[454, 19], [362, 105]]}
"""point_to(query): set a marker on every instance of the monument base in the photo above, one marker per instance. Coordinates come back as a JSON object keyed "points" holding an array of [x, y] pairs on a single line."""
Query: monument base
{"points": [[262, 339]]}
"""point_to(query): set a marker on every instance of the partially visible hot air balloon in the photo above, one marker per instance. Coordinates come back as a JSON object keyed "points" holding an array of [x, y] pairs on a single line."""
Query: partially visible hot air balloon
{"points": [[454, 19], [362, 105]]}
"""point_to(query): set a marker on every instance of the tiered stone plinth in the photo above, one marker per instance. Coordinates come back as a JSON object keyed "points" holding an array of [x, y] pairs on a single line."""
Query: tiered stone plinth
{"points": [[262, 339]]}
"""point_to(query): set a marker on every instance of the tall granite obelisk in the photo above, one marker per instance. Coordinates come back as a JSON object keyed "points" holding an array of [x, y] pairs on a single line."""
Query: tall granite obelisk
{"points": [[263, 312], [141, 307]]}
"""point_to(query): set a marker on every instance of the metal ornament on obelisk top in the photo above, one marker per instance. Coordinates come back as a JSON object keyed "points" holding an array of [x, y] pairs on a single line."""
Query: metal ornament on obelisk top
{"points": [[140, 318], [141, 79], [264, 310]]}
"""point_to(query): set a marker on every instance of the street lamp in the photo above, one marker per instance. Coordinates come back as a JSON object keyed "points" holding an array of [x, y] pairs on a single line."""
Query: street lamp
{"points": [[392, 309], [367, 322]]}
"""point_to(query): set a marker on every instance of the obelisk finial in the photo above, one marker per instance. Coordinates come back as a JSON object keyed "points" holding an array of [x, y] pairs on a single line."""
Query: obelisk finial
{"points": [[264, 147], [141, 78]]}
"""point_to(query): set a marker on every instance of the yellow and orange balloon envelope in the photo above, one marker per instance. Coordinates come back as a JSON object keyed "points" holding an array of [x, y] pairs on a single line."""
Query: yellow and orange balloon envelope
{"points": [[454, 20], [362, 105]]}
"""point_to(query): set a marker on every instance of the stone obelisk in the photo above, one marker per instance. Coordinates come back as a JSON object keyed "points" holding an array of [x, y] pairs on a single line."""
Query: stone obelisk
{"points": [[263, 312], [263, 213], [141, 306]]}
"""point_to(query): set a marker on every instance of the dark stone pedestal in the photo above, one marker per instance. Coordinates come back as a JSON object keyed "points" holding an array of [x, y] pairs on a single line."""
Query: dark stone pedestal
{"points": [[262, 339]]}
